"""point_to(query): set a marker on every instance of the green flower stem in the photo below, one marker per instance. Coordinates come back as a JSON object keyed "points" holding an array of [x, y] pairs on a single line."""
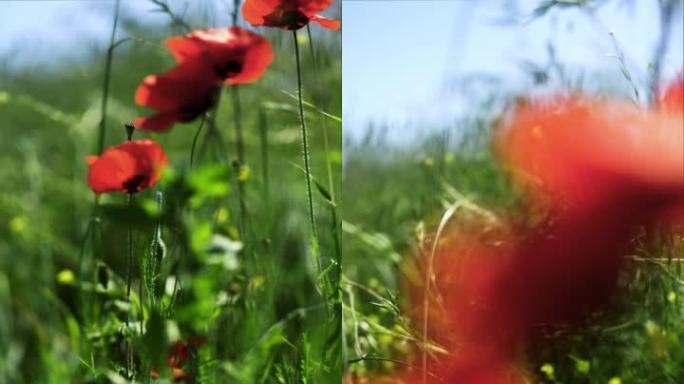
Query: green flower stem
{"points": [[305, 154]]}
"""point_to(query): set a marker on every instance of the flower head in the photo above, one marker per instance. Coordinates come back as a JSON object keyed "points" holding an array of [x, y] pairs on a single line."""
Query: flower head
{"points": [[129, 167], [236, 55], [287, 14], [181, 94]]}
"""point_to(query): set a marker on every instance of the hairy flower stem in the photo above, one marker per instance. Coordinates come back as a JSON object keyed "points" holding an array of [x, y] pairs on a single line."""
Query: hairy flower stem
{"points": [[240, 150], [129, 267], [305, 154]]}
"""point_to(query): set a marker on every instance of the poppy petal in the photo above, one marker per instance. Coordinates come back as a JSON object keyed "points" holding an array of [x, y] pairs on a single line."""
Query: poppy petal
{"points": [[183, 48], [157, 123], [673, 97], [326, 22], [128, 167]]}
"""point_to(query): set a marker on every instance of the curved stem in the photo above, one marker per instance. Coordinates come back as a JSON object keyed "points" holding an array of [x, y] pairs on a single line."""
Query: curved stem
{"points": [[194, 139], [305, 154]]}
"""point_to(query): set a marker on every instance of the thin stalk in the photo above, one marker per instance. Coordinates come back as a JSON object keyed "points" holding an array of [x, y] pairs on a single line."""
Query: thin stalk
{"points": [[305, 154], [194, 139], [235, 12], [240, 150], [326, 147], [102, 127], [667, 8], [263, 142]]}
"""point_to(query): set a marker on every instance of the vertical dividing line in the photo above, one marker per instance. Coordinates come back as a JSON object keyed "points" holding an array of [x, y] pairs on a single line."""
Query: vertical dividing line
{"points": [[305, 150], [129, 274]]}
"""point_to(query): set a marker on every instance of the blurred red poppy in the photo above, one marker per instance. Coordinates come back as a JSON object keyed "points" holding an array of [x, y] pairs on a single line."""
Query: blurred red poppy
{"points": [[237, 55], [672, 99], [179, 353], [585, 152], [129, 167], [601, 171], [181, 94], [287, 14]]}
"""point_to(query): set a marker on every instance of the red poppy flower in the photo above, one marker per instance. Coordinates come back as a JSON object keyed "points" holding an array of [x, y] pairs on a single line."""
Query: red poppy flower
{"points": [[287, 14], [237, 55], [180, 94], [129, 167]]}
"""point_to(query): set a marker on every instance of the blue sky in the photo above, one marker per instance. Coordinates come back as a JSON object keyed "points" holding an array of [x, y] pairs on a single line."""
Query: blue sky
{"points": [[400, 56]]}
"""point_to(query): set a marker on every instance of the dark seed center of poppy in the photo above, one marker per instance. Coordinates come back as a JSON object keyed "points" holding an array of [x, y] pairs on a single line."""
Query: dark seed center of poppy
{"points": [[134, 183], [292, 19], [229, 69]]}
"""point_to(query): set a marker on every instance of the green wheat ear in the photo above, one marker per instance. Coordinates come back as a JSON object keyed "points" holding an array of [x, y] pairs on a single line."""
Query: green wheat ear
{"points": [[154, 256]]}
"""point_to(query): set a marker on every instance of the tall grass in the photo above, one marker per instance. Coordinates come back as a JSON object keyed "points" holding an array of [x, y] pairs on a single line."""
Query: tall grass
{"points": [[250, 293]]}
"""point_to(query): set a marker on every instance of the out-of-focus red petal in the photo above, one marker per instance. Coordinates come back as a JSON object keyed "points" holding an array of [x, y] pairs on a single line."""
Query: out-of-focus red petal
{"points": [[188, 84], [183, 48], [326, 22], [584, 149], [254, 11], [673, 96], [237, 56], [286, 14], [182, 93], [90, 159], [157, 123], [256, 60], [310, 7]]}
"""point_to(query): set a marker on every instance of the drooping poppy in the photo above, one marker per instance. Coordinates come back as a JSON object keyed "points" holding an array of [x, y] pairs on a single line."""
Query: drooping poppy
{"points": [[181, 94], [237, 55], [129, 167], [288, 14]]}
